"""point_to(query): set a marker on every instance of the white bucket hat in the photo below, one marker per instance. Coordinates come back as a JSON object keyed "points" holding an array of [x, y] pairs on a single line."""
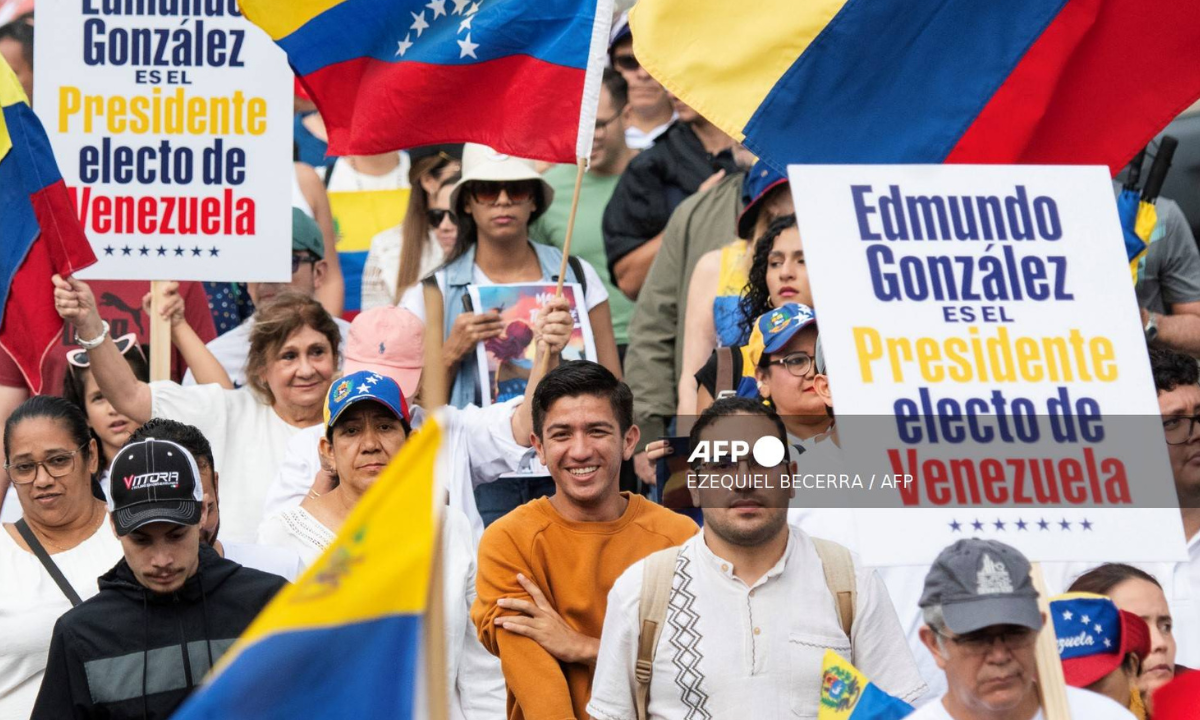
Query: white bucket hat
{"points": [[482, 164]]}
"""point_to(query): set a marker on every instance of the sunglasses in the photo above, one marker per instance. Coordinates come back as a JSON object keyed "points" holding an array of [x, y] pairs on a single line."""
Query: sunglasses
{"points": [[628, 63], [125, 343], [489, 193], [436, 217]]}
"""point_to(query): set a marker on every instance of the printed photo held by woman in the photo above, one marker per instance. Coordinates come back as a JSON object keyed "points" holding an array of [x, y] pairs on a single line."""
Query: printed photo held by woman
{"points": [[52, 458]]}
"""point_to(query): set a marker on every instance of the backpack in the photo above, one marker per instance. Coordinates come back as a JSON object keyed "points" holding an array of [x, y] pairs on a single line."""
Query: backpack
{"points": [[658, 578]]}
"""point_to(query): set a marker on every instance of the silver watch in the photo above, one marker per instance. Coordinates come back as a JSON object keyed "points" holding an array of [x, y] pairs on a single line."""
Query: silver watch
{"points": [[95, 342]]}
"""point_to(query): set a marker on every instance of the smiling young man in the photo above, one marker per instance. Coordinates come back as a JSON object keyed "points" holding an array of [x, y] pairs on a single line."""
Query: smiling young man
{"points": [[164, 614], [546, 567], [749, 607]]}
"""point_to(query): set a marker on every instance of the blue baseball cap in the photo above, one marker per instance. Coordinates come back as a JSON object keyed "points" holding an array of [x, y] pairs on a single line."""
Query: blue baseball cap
{"points": [[775, 328], [360, 386], [1094, 636], [620, 31], [760, 180]]}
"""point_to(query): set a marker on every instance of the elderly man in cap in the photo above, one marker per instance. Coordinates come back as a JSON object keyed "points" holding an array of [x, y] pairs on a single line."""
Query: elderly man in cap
{"points": [[308, 273], [165, 613], [981, 625]]}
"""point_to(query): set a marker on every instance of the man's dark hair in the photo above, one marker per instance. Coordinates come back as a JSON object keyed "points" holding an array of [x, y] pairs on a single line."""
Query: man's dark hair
{"points": [[20, 30], [1172, 369], [617, 88], [756, 297], [1101, 580], [582, 377], [725, 407], [183, 435]]}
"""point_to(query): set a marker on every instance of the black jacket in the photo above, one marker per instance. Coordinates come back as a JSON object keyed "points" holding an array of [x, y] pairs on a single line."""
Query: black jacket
{"points": [[656, 181], [131, 653]]}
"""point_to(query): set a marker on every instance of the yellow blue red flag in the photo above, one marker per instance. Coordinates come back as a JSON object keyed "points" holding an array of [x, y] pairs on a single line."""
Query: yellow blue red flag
{"points": [[345, 640], [846, 694]]}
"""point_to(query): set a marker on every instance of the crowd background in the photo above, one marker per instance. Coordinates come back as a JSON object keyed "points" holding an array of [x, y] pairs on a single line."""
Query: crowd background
{"points": [[687, 251]]}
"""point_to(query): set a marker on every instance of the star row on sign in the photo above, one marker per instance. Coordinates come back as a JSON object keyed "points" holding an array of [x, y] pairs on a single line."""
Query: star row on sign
{"points": [[466, 8], [1001, 526], [160, 251]]}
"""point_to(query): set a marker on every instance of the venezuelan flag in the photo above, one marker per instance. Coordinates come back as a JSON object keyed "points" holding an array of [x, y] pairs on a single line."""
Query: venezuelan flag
{"points": [[847, 695], [39, 233], [520, 76], [344, 641], [897, 81]]}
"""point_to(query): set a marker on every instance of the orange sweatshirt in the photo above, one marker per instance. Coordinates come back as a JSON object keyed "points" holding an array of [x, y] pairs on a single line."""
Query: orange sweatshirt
{"points": [[575, 564]]}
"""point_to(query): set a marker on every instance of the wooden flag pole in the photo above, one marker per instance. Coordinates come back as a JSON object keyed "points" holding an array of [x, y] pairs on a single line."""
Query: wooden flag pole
{"points": [[543, 361], [160, 334], [434, 394], [1052, 686]]}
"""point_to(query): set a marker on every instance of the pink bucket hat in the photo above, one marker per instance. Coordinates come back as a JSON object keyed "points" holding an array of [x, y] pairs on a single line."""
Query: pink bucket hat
{"points": [[390, 341]]}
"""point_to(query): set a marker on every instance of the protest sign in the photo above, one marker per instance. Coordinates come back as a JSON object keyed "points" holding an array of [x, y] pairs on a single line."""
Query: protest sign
{"points": [[171, 123], [986, 359], [505, 362]]}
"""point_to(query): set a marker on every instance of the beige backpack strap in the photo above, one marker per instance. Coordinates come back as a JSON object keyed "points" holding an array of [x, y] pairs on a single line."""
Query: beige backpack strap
{"points": [[839, 577], [724, 371], [658, 576]]}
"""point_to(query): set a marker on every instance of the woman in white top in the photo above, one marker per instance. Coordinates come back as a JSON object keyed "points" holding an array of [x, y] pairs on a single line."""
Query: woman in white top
{"points": [[51, 460], [293, 356], [401, 255], [368, 424]]}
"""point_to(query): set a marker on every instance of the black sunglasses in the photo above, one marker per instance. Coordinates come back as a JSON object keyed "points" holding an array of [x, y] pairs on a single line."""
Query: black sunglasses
{"points": [[628, 63], [488, 192], [436, 216]]}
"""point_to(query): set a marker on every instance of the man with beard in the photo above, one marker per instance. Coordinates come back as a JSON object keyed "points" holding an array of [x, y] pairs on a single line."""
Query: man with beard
{"points": [[751, 604]]}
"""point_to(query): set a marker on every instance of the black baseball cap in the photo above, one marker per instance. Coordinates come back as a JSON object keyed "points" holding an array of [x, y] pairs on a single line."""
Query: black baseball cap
{"points": [[153, 481]]}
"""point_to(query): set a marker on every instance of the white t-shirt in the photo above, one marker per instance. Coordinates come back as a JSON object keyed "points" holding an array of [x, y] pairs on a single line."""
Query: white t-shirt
{"points": [[477, 447], [383, 265], [298, 531], [233, 348], [1084, 705], [247, 437], [346, 179], [413, 299], [750, 652], [267, 558], [637, 139], [30, 604]]}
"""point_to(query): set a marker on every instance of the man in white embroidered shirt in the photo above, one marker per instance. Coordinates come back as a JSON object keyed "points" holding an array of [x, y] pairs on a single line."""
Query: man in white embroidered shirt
{"points": [[749, 613], [982, 621]]}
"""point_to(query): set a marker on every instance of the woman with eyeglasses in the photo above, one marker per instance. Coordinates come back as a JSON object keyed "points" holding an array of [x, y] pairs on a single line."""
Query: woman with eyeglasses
{"points": [[402, 255], [109, 428], [496, 199], [51, 460]]}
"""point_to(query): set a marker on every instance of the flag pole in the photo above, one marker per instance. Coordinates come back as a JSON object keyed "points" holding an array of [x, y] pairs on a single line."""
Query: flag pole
{"points": [[1052, 686], [581, 168], [434, 394], [160, 335]]}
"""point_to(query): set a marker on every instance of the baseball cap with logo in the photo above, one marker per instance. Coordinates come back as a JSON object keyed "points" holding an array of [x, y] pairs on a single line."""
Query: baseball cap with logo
{"points": [[153, 481], [775, 328], [760, 180], [388, 340], [1094, 636], [980, 583], [361, 386]]}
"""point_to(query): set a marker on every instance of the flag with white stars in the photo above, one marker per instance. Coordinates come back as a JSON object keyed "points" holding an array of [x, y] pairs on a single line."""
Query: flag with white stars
{"points": [[1093, 636], [522, 77]]}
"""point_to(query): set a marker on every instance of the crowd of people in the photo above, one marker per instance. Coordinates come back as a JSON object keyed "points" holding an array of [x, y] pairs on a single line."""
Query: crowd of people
{"points": [[146, 523]]}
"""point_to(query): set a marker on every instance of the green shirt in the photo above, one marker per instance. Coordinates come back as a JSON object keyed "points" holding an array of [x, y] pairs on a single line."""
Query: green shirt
{"points": [[588, 242]]}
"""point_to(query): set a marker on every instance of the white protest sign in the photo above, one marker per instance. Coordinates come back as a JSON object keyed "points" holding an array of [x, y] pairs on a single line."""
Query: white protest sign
{"points": [[983, 343], [171, 124]]}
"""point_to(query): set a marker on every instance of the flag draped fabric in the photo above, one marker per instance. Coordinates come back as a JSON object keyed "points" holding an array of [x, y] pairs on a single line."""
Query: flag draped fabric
{"points": [[522, 77], [896, 81], [39, 233], [344, 641], [847, 695]]}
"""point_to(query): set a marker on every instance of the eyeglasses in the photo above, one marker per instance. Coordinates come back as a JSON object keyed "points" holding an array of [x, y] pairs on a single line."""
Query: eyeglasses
{"points": [[602, 125], [798, 363], [436, 217], [56, 466], [298, 260], [488, 193], [1178, 430], [125, 343], [627, 63], [981, 643], [729, 467]]}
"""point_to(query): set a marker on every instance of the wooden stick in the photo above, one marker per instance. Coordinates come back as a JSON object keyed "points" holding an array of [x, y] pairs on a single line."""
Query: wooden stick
{"points": [[434, 387], [436, 683], [1052, 686], [160, 335], [543, 361]]}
